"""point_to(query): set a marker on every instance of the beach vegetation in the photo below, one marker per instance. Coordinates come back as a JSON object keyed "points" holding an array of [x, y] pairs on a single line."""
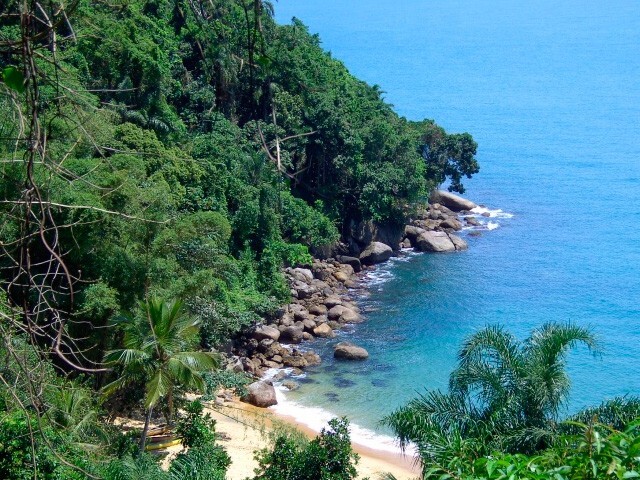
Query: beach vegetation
{"points": [[328, 457]]}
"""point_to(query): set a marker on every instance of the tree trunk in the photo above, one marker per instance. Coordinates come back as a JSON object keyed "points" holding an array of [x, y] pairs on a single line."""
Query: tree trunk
{"points": [[143, 437], [170, 406]]}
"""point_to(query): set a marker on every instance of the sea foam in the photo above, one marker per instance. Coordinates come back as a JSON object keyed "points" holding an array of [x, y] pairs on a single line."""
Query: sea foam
{"points": [[317, 418]]}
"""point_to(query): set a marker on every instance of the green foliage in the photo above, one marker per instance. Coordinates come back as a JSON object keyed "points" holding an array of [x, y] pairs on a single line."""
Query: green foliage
{"points": [[327, 457], [504, 395], [205, 462], [194, 428], [588, 455], [227, 379], [155, 352], [28, 451], [13, 79]]}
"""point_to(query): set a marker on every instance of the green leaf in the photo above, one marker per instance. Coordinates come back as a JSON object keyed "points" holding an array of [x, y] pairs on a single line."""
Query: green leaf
{"points": [[13, 78], [631, 474]]}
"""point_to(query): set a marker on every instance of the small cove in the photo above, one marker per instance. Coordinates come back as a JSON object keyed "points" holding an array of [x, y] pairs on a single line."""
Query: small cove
{"points": [[550, 93]]}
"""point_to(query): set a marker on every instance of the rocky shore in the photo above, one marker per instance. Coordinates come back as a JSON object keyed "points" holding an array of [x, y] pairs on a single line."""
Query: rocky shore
{"points": [[321, 301]]}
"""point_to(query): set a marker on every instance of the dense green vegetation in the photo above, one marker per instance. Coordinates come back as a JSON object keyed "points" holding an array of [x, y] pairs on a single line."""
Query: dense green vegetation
{"points": [[160, 162], [501, 416]]}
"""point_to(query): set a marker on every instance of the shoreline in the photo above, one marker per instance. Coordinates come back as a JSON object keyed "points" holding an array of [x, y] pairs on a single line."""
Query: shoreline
{"points": [[245, 429]]}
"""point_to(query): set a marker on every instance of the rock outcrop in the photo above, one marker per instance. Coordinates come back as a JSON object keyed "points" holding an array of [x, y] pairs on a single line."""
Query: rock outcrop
{"points": [[261, 394], [452, 201], [376, 252]]}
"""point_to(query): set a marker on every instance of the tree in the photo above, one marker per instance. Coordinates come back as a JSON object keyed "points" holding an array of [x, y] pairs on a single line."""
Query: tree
{"points": [[154, 352], [504, 394], [328, 457]]}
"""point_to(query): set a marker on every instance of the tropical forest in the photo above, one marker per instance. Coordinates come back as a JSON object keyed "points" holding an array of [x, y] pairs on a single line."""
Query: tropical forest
{"points": [[167, 169]]}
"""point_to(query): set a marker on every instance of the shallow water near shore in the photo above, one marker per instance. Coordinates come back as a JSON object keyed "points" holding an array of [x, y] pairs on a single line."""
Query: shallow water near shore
{"points": [[551, 94]]}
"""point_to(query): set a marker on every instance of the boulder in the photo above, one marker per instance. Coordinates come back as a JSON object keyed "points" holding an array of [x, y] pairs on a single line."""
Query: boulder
{"points": [[318, 309], [459, 243], [334, 325], [353, 261], [332, 300], [336, 312], [265, 331], [472, 221], [309, 325], [312, 358], [323, 331], [294, 361], [301, 315], [434, 242], [341, 276], [412, 232], [349, 351], [290, 385], [292, 334], [452, 223], [260, 394], [302, 274], [303, 290], [376, 252], [454, 202], [350, 316]]}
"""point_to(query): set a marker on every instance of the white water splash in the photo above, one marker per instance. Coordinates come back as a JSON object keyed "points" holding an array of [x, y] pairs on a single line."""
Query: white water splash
{"points": [[316, 418]]}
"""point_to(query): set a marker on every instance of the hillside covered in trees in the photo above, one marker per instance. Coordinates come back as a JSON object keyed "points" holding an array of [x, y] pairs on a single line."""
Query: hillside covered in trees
{"points": [[163, 160]]}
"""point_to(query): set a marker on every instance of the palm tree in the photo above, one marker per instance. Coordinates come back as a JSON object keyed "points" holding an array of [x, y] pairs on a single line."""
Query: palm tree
{"points": [[154, 352], [504, 394]]}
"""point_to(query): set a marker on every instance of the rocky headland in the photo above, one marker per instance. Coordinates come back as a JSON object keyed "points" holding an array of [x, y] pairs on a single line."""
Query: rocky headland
{"points": [[321, 295]]}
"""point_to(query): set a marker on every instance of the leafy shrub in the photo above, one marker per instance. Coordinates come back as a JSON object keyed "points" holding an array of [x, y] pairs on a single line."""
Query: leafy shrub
{"points": [[194, 428], [226, 379], [328, 457]]}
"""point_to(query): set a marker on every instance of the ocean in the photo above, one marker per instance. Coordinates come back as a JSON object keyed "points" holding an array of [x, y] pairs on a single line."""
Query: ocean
{"points": [[551, 93]]}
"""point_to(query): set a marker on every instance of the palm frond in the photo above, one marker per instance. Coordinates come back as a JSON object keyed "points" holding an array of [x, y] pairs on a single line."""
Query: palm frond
{"points": [[157, 387], [495, 345]]}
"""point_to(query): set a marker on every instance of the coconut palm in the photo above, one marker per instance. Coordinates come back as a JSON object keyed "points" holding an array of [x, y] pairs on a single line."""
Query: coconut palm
{"points": [[155, 352], [504, 394]]}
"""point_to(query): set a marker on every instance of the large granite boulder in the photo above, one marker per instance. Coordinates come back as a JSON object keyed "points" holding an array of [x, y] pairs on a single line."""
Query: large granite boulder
{"points": [[302, 274], [292, 334], [349, 351], [261, 394], [459, 243], [454, 202], [266, 331], [296, 361], [323, 331], [376, 252], [434, 242], [452, 223], [349, 316], [412, 232], [353, 261], [318, 309]]}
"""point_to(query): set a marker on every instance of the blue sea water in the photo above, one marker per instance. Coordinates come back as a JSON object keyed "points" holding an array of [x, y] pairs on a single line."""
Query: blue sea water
{"points": [[551, 92]]}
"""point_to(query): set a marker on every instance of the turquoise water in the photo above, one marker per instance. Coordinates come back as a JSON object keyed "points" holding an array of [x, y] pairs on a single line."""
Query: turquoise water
{"points": [[551, 92]]}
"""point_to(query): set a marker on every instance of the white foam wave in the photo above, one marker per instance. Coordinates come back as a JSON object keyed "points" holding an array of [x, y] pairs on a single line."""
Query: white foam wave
{"points": [[492, 225], [497, 213], [316, 418]]}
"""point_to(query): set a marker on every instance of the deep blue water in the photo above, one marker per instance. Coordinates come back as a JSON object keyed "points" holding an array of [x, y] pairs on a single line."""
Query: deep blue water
{"points": [[551, 93]]}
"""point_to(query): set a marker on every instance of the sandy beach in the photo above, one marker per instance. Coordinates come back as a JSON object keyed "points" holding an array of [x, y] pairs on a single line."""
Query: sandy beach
{"points": [[244, 429]]}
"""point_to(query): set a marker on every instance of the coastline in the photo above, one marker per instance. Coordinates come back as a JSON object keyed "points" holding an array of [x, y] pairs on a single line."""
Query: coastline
{"points": [[245, 429]]}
